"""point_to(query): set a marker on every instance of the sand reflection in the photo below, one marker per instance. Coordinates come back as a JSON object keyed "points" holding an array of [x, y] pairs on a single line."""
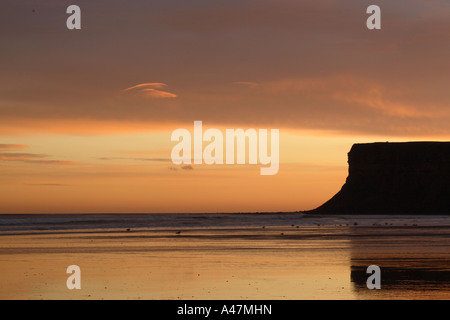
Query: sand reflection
{"points": [[414, 261]]}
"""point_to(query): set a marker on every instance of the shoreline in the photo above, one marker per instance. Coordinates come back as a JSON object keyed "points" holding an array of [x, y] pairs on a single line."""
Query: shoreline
{"points": [[325, 261]]}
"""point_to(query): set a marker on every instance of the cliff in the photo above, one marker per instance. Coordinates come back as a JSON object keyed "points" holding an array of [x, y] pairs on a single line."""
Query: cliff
{"points": [[394, 178]]}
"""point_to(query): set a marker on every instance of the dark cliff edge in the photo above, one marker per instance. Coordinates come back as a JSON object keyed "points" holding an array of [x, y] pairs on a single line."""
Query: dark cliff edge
{"points": [[394, 178]]}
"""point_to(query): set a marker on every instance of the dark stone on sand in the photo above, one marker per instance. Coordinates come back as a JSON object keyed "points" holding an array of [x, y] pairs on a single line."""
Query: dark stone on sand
{"points": [[394, 178]]}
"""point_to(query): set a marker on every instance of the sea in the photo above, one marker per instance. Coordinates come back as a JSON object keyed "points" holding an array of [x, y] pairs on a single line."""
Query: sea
{"points": [[42, 222]]}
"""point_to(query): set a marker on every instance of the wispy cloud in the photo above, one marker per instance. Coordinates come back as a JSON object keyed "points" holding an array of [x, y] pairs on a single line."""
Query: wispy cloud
{"points": [[55, 162], [33, 158], [186, 168], [247, 84], [154, 159], [151, 90], [356, 92], [46, 184], [144, 152], [20, 156], [136, 159], [156, 85], [8, 147]]}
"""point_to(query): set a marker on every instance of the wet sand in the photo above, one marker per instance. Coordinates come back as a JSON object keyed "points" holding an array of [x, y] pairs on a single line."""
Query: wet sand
{"points": [[274, 262]]}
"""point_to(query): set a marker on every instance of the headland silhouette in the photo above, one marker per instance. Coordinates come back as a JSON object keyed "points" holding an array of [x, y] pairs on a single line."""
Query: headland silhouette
{"points": [[394, 178]]}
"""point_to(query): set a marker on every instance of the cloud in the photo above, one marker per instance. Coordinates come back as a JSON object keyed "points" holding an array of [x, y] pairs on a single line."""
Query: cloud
{"points": [[149, 84], [33, 158], [56, 162], [151, 90], [136, 159], [7, 147], [144, 152], [154, 159], [355, 92], [20, 156], [186, 168], [247, 84], [153, 93], [47, 184]]}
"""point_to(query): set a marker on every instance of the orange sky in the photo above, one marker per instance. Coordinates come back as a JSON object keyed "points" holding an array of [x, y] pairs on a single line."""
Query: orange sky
{"points": [[86, 116]]}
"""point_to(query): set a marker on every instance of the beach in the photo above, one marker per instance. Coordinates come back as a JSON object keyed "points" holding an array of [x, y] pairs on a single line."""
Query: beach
{"points": [[224, 256]]}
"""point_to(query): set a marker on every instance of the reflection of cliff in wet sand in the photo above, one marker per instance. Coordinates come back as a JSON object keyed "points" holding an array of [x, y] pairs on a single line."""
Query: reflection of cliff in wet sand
{"points": [[394, 178], [402, 278]]}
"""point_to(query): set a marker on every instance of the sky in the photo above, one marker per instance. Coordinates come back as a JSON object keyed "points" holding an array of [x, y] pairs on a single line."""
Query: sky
{"points": [[86, 115]]}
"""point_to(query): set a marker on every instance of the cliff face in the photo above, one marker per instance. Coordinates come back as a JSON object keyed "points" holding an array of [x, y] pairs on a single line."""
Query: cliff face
{"points": [[395, 178]]}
